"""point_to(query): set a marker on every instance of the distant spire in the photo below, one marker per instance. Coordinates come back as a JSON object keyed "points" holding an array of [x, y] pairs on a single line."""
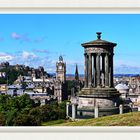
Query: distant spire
{"points": [[76, 73]]}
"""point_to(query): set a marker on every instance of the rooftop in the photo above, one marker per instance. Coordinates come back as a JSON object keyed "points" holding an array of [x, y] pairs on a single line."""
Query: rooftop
{"points": [[99, 42], [121, 86]]}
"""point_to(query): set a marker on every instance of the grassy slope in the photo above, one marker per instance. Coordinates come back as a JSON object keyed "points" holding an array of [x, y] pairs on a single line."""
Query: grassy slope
{"points": [[127, 119]]}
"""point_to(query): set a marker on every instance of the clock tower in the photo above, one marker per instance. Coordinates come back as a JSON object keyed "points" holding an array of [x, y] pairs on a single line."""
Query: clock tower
{"points": [[61, 70], [60, 85]]}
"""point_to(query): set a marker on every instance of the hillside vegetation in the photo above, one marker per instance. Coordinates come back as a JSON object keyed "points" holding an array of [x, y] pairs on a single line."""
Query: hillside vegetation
{"points": [[127, 119], [22, 111]]}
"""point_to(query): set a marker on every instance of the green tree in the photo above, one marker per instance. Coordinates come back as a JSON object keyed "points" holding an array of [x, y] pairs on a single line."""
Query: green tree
{"points": [[10, 117], [26, 120], [53, 111], [62, 110], [2, 119], [22, 111], [25, 103], [12, 107]]}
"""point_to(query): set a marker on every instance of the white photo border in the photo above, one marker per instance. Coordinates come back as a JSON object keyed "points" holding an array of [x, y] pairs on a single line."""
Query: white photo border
{"points": [[75, 7]]}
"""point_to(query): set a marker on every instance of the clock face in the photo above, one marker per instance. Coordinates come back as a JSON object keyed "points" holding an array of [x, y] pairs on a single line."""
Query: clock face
{"points": [[60, 67]]}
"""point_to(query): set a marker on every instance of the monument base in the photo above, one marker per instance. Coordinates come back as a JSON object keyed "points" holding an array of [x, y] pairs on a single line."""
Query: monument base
{"points": [[106, 99], [90, 113]]}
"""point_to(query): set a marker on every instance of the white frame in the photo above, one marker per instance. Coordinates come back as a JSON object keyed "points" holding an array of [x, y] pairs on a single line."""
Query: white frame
{"points": [[70, 129], [71, 6]]}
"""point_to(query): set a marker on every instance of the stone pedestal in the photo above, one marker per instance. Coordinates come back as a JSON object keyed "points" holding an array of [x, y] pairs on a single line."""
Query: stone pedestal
{"points": [[67, 109], [121, 109], [106, 99], [96, 112], [138, 108], [74, 110]]}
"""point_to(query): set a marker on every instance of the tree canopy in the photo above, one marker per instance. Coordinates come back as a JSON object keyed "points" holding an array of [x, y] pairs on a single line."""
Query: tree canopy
{"points": [[22, 111]]}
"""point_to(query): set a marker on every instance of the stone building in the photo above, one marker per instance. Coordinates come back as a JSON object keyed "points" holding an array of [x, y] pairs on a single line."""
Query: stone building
{"points": [[4, 65], [3, 88], [40, 82], [98, 89], [60, 85]]}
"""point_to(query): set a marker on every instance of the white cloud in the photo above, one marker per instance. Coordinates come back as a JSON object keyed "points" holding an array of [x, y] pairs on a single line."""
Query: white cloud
{"points": [[29, 59], [20, 37], [127, 69], [41, 51], [25, 58], [28, 55], [14, 35], [5, 57], [25, 38], [34, 60]]}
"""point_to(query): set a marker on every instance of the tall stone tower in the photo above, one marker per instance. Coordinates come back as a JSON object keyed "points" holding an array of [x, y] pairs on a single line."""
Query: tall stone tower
{"points": [[61, 70], [60, 83], [77, 83], [98, 88]]}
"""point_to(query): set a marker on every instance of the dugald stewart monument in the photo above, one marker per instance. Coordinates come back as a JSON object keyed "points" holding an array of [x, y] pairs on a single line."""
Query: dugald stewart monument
{"points": [[98, 95]]}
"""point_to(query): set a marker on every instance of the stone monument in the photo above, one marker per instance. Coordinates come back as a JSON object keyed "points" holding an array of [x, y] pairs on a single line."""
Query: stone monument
{"points": [[98, 89]]}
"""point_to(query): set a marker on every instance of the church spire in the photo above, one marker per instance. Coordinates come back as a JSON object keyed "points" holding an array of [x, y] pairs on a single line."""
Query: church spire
{"points": [[76, 73]]}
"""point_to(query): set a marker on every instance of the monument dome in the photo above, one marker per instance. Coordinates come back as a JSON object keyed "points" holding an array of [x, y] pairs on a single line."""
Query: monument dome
{"points": [[122, 88]]}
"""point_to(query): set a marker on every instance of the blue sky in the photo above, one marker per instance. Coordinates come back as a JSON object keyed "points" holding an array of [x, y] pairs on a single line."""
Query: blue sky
{"points": [[39, 39]]}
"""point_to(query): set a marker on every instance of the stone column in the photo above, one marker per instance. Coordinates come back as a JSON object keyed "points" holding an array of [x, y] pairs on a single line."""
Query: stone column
{"points": [[131, 105], [94, 70], [109, 79], [96, 112], [85, 68], [90, 71], [73, 111], [109, 59], [121, 109], [103, 70], [103, 63], [106, 70], [138, 108], [98, 69], [111, 71], [72, 92], [67, 109]]}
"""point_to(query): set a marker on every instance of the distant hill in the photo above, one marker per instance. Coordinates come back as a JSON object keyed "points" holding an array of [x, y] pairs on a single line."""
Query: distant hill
{"points": [[116, 75], [128, 75], [127, 119]]}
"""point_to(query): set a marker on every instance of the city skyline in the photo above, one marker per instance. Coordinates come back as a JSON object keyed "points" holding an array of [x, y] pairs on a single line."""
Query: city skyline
{"points": [[39, 39]]}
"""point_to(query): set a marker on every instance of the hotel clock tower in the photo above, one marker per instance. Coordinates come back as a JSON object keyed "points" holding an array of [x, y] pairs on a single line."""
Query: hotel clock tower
{"points": [[61, 70]]}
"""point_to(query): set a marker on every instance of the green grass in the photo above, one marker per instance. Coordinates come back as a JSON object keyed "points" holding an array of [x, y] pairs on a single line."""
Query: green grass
{"points": [[127, 119], [52, 123]]}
